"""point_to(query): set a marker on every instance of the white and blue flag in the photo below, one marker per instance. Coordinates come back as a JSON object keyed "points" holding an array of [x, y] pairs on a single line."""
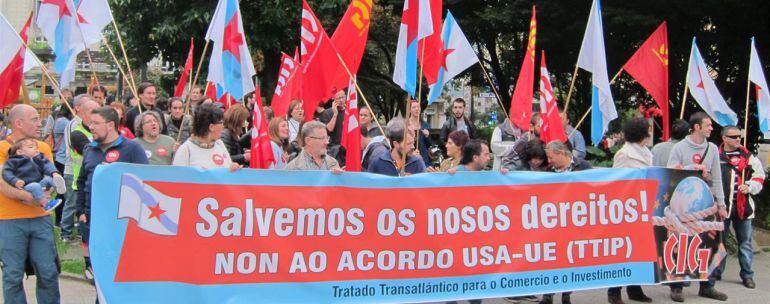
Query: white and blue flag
{"points": [[593, 59], [153, 211], [705, 92], [457, 55]]}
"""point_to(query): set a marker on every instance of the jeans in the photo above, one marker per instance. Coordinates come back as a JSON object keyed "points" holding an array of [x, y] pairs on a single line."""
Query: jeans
{"points": [[22, 239], [745, 252], [68, 215], [37, 188]]}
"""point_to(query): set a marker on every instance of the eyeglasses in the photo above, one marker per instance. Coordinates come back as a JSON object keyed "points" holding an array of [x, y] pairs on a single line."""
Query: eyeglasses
{"points": [[733, 136], [320, 138]]}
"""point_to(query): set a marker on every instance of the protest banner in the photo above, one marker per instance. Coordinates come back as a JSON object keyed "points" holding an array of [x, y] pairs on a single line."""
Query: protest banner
{"points": [[185, 235]]}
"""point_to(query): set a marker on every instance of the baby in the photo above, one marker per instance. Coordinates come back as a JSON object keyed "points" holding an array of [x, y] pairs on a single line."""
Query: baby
{"points": [[26, 168]]}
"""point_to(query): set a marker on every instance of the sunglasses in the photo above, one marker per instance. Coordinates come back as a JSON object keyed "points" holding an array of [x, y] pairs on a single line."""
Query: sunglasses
{"points": [[733, 136]]}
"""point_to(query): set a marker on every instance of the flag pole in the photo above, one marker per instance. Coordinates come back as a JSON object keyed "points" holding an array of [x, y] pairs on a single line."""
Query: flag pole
{"points": [[120, 69], [684, 99], [494, 89], [361, 93], [88, 52], [128, 64], [571, 87], [580, 122], [408, 108], [746, 113], [193, 83], [51, 78]]}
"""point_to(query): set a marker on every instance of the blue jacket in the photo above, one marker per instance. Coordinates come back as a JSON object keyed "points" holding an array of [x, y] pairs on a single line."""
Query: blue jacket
{"points": [[30, 170], [122, 150], [384, 164]]}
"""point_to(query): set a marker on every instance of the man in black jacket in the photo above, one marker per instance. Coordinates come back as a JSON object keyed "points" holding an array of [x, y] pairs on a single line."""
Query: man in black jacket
{"points": [[457, 121]]}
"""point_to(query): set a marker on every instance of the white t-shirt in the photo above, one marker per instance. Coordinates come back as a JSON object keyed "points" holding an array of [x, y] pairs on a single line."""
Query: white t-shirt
{"points": [[190, 154]]}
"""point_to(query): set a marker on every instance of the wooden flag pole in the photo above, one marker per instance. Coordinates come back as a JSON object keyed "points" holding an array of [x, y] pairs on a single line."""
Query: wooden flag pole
{"points": [[361, 93], [746, 113], [571, 87], [128, 64], [494, 89], [194, 80], [684, 100], [122, 72], [51, 78]]}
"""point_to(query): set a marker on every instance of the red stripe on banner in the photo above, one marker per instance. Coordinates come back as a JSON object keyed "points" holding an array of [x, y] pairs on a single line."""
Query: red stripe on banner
{"points": [[263, 232]]}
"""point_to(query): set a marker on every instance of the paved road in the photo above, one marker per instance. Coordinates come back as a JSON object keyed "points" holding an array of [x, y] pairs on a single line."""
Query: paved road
{"points": [[77, 292]]}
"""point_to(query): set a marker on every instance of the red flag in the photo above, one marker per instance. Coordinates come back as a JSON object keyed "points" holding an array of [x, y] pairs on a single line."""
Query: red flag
{"points": [[261, 149], [288, 86], [13, 74], [649, 66], [319, 61], [521, 101], [188, 64], [552, 127], [350, 39], [351, 132], [432, 58]]}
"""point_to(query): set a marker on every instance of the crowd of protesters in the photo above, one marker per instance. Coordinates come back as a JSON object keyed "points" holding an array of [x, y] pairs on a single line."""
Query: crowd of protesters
{"points": [[207, 134]]}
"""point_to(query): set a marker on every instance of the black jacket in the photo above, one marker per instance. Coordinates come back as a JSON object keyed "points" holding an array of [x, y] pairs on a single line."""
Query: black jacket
{"points": [[134, 112], [237, 146], [30, 170], [451, 124]]}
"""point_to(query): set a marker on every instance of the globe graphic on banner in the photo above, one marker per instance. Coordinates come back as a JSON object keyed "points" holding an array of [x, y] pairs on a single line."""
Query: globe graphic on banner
{"points": [[691, 195]]}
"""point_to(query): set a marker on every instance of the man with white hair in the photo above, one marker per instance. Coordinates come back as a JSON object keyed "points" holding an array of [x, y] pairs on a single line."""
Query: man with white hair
{"points": [[313, 155]]}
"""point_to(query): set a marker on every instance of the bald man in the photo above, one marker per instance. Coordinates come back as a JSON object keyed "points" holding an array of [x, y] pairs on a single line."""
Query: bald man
{"points": [[26, 230]]}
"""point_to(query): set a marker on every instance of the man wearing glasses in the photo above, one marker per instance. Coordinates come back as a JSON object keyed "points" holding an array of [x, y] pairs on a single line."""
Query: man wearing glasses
{"points": [[313, 155], [742, 176]]}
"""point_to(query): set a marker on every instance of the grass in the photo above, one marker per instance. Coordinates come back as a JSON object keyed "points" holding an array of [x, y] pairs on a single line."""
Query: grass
{"points": [[76, 267], [73, 266]]}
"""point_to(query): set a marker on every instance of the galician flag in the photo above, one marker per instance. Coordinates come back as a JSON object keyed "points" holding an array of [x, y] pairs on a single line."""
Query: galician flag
{"points": [[416, 23], [757, 76], [457, 55], [230, 65], [56, 20], [93, 16], [705, 92], [152, 210], [593, 59]]}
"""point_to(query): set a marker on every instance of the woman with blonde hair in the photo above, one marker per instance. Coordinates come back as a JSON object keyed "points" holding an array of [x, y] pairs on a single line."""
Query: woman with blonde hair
{"points": [[278, 130]]}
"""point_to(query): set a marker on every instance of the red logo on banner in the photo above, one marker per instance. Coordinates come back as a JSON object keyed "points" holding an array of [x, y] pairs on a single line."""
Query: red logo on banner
{"points": [[112, 156]]}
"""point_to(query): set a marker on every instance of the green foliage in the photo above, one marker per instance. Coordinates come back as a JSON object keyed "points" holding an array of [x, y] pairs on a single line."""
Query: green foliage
{"points": [[76, 267], [599, 158], [484, 133]]}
